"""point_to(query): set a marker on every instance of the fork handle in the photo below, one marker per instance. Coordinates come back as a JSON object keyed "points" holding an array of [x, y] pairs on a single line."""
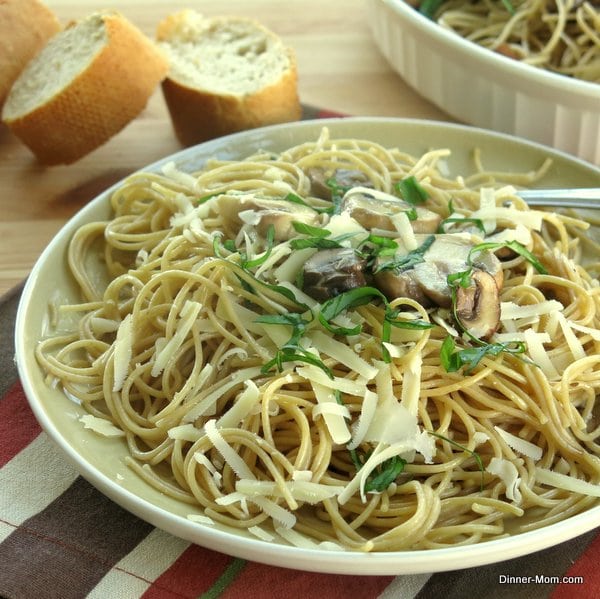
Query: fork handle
{"points": [[562, 198]]}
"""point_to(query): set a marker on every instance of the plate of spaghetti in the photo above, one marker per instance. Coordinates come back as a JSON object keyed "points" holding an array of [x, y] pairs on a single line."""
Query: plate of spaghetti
{"points": [[530, 68], [343, 345]]}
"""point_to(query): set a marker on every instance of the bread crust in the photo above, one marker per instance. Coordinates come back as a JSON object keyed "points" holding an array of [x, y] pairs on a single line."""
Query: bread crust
{"points": [[201, 114], [25, 27], [99, 102]]}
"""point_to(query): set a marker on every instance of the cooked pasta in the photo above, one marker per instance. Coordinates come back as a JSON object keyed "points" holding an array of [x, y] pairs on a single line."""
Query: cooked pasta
{"points": [[341, 346], [562, 36]]}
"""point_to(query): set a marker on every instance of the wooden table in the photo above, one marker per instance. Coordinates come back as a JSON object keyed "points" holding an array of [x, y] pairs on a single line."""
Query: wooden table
{"points": [[340, 68]]}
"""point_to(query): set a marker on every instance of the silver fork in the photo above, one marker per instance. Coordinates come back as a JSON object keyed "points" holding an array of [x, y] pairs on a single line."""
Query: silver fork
{"points": [[562, 198]]}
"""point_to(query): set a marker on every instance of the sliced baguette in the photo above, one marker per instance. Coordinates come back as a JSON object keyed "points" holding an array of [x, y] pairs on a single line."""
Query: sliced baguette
{"points": [[25, 28], [226, 74], [88, 82]]}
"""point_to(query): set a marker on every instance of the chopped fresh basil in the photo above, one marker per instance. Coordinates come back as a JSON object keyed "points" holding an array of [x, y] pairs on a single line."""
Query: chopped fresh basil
{"points": [[454, 359], [429, 8], [208, 197], [358, 297], [509, 6], [291, 318], [348, 299], [337, 194], [291, 350], [261, 259], [412, 191], [229, 245], [476, 221], [296, 199], [318, 238], [393, 317], [247, 278], [381, 246], [461, 279], [320, 243], [515, 246], [383, 475], [310, 230], [409, 260]]}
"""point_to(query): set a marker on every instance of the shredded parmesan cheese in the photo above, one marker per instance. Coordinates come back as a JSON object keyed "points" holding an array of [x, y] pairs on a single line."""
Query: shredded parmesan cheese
{"points": [[539, 355], [189, 314], [207, 405], [123, 351], [343, 354], [568, 483], [369, 405], [330, 408], [185, 432], [593, 333], [242, 406], [512, 311], [236, 463], [336, 424], [200, 519], [507, 472], [487, 209], [575, 346], [101, 326], [278, 513], [404, 228], [295, 538], [300, 490], [101, 426], [261, 533], [521, 445], [532, 219], [411, 383], [351, 387], [480, 437]]}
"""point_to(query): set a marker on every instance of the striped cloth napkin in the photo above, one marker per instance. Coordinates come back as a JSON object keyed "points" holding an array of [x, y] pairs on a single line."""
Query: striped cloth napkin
{"points": [[61, 538]]}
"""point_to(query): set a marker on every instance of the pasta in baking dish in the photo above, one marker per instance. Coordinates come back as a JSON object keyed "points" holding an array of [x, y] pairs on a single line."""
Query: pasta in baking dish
{"points": [[341, 346], [556, 35]]}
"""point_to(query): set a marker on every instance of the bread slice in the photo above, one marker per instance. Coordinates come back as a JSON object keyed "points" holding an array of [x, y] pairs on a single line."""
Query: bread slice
{"points": [[226, 74], [88, 82], [25, 27]]}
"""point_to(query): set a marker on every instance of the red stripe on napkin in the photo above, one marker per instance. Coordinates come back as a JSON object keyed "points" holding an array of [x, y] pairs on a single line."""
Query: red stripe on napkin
{"points": [[259, 580], [587, 567], [193, 573], [18, 426]]}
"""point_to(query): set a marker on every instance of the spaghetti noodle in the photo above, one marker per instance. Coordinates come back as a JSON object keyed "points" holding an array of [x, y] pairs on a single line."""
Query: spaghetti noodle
{"points": [[238, 329]]}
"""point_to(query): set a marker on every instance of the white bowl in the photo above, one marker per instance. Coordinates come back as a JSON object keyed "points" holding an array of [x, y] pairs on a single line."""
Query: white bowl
{"points": [[101, 460], [484, 88]]}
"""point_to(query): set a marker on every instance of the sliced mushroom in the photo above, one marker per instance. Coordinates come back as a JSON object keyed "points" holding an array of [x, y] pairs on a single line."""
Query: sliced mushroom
{"points": [[376, 209], [262, 213], [344, 178], [490, 262], [478, 306], [432, 277], [328, 273], [399, 284], [427, 280]]}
